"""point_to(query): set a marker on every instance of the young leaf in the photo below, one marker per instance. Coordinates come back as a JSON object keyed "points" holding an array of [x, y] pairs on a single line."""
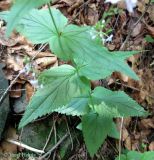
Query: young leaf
{"points": [[76, 107], [63, 85], [95, 128], [117, 102], [19, 9]]}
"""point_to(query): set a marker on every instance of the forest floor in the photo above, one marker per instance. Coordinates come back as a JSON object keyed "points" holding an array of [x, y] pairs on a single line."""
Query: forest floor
{"points": [[133, 31]]}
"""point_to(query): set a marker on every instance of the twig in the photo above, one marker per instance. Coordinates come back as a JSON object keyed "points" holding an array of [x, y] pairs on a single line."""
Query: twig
{"points": [[49, 136], [121, 126], [24, 146], [69, 134], [55, 146], [55, 132]]}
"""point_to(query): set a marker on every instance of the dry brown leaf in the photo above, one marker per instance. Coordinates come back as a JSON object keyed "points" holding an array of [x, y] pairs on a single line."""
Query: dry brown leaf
{"points": [[69, 2], [5, 4], [150, 29], [14, 62], [125, 134], [147, 123], [92, 15], [16, 90], [46, 61], [127, 121], [29, 91], [128, 143], [141, 5], [11, 41], [151, 146], [40, 54], [137, 30], [76, 4], [151, 12], [6, 146]]}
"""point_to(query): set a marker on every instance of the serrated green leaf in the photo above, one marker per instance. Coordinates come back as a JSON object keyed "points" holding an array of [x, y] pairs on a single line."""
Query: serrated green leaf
{"points": [[148, 155], [122, 157], [95, 128], [134, 155], [96, 62], [59, 90], [149, 38], [118, 103], [19, 9], [114, 133], [73, 43], [76, 107]]}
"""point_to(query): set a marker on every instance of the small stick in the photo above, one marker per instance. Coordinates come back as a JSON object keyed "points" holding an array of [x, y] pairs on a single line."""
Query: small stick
{"points": [[55, 146], [24, 146], [121, 126]]}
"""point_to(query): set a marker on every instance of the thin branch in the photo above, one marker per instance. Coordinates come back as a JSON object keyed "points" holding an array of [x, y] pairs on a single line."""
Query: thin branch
{"points": [[55, 146], [24, 146], [120, 140]]}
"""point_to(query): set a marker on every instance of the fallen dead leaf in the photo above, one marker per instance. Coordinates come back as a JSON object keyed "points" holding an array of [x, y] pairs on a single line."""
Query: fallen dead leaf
{"points": [[128, 143], [29, 91], [151, 12], [14, 62], [147, 123], [150, 29], [137, 30], [16, 90], [11, 41], [5, 4], [151, 146], [46, 61], [40, 54]]}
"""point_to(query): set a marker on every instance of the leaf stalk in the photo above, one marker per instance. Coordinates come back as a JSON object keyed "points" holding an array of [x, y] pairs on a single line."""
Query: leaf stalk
{"points": [[53, 20]]}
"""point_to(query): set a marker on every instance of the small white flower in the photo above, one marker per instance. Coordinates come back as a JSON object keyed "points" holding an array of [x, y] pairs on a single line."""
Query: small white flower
{"points": [[34, 83], [103, 40], [109, 39], [103, 21], [93, 33], [112, 1], [130, 4]]}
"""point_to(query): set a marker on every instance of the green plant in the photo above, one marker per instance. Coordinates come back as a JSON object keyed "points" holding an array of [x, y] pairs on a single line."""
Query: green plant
{"points": [[148, 38], [134, 155], [67, 88]]}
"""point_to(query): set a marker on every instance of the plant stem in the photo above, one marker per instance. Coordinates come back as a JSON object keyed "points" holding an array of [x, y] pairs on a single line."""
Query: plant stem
{"points": [[53, 20]]}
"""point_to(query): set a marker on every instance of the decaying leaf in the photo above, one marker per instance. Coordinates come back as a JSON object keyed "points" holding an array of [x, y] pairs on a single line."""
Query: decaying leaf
{"points": [[7, 41], [46, 61], [29, 91]]}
